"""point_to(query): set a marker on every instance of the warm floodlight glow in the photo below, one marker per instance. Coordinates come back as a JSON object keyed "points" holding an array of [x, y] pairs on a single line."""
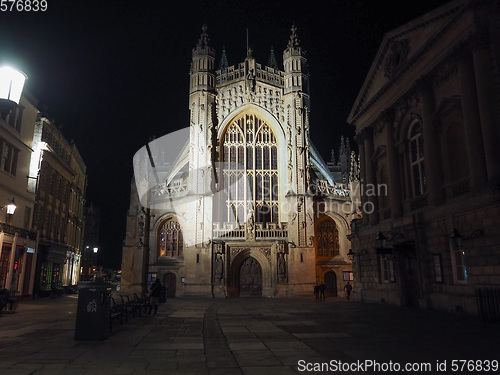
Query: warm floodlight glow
{"points": [[11, 84]]}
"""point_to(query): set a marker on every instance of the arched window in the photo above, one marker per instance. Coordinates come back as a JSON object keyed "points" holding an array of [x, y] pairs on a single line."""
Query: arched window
{"points": [[250, 171], [327, 236], [171, 241], [417, 170]]}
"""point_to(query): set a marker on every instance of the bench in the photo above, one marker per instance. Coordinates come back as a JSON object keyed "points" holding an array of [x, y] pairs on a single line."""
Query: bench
{"points": [[117, 312]]}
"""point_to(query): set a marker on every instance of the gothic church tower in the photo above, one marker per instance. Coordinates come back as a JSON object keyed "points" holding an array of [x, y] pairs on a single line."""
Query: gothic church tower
{"points": [[248, 207]]}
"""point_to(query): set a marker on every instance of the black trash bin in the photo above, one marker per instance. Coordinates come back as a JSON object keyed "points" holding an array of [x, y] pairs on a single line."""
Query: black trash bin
{"points": [[92, 314]]}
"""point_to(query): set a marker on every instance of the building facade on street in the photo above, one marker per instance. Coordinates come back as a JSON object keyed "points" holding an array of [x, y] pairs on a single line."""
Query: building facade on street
{"points": [[18, 241], [247, 207], [58, 176], [426, 123]]}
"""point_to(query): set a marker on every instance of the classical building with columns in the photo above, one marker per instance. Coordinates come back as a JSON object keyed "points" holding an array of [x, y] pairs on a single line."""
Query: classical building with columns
{"points": [[240, 203], [427, 127]]}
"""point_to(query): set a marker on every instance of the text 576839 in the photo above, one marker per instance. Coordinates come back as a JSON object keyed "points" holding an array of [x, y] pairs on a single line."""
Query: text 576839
{"points": [[23, 5]]}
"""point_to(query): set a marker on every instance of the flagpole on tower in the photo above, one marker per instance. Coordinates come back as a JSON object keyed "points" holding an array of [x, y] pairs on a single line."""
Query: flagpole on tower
{"points": [[247, 42]]}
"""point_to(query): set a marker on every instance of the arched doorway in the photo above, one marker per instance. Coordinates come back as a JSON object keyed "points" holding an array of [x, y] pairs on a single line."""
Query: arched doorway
{"points": [[250, 278], [170, 280], [330, 284]]}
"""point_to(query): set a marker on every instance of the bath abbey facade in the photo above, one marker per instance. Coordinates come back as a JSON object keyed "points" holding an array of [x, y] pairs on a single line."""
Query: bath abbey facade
{"points": [[240, 203]]}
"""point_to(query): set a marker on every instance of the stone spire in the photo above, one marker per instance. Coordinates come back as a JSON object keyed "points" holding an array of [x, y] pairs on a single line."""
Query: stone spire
{"points": [[344, 157], [332, 157], [223, 64], [296, 75], [294, 39], [202, 70], [354, 172], [272, 60], [203, 41]]}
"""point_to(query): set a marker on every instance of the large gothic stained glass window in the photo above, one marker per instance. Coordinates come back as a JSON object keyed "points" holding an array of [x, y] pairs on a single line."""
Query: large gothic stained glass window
{"points": [[250, 171], [327, 238], [171, 241]]}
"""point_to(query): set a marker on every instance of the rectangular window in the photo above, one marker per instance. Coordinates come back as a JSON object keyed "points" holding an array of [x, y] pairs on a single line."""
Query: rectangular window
{"points": [[267, 187], [348, 276], [232, 153], [387, 274], [438, 272], [19, 118], [258, 187], [274, 158], [458, 263], [461, 268], [249, 158], [258, 157], [8, 162], [266, 150]]}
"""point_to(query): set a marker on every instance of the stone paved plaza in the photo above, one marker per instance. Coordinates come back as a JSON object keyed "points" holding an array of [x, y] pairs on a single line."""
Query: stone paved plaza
{"points": [[242, 336]]}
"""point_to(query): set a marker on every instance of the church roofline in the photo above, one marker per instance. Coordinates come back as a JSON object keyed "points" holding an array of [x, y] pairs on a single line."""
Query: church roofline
{"points": [[235, 73], [319, 163], [361, 104]]}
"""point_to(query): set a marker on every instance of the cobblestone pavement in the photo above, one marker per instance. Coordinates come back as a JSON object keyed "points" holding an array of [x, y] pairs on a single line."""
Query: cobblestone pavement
{"points": [[246, 336]]}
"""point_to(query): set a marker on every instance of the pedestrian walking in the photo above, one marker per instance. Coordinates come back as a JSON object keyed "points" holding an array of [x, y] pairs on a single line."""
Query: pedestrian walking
{"points": [[163, 297], [316, 291], [155, 295], [348, 290], [322, 292]]}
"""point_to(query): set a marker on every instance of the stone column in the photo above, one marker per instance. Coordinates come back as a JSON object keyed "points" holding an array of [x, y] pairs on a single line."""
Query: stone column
{"points": [[487, 100], [472, 135], [432, 157], [393, 168], [362, 171], [371, 178]]}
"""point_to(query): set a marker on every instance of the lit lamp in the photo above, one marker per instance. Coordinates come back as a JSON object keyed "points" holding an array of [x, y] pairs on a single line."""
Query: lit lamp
{"points": [[456, 240], [96, 249], [350, 254], [380, 240], [10, 207], [381, 245], [11, 88]]}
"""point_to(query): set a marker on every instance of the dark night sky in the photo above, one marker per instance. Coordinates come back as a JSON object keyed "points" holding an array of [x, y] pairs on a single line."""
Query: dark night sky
{"points": [[114, 73]]}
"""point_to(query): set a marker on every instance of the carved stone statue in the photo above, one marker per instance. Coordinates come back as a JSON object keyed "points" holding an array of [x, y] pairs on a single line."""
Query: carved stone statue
{"points": [[219, 266], [281, 266], [250, 222]]}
